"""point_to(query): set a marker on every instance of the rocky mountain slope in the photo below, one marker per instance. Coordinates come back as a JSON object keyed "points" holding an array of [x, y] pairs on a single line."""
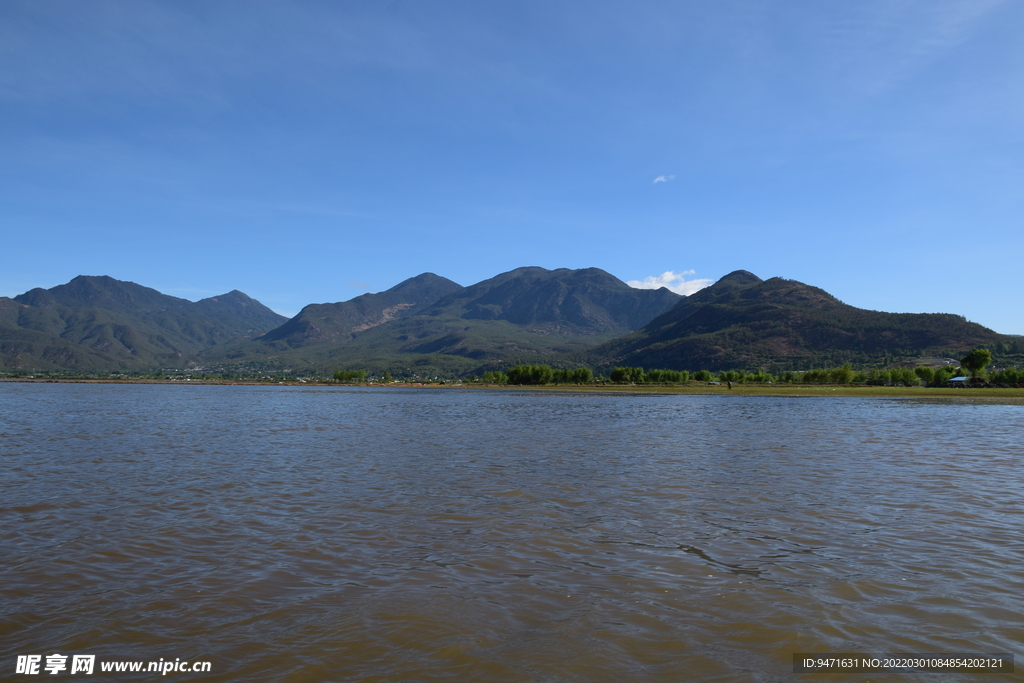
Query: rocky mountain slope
{"points": [[338, 322]]}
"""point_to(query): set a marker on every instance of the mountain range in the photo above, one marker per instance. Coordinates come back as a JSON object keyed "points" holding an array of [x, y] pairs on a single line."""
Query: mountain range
{"points": [[430, 325], [101, 324], [525, 315]]}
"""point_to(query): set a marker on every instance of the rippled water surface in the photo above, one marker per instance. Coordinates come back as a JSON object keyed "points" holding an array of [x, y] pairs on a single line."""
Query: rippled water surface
{"points": [[325, 534]]}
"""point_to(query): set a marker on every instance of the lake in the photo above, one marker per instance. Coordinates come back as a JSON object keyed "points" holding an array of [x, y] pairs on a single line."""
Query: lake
{"points": [[360, 534]]}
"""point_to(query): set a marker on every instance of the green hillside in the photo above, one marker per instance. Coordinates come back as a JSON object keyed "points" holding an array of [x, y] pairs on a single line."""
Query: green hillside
{"points": [[102, 324], [338, 323], [525, 315], [430, 326], [743, 322]]}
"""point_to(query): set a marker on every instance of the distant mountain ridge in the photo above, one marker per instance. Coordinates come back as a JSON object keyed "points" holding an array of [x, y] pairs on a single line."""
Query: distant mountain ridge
{"points": [[100, 323], [530, 314], [237, 311], [100, 291], [429, 325], [338, 322], [588, 300], [743, 322]]}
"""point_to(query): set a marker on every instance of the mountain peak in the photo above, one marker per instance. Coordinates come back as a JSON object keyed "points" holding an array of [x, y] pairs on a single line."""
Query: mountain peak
{"points": [[426, 281], [584, 301], [740, 277], [233, 297], [252, 316], [338, 322], [100, 291]]}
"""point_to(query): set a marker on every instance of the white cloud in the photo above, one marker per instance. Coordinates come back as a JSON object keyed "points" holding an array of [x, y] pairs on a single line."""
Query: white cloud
{"points": [[675, 282], [664, 179]]}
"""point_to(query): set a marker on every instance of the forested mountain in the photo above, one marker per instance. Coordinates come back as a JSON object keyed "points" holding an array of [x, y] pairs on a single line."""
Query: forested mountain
{"points": [[429, 325], [240, 313], [339, 322], [743, 322], [588, 301], [99, 323], [528, 314]]}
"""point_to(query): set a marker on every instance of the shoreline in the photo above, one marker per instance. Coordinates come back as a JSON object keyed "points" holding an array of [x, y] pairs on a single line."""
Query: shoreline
{"points": [[1013, 395]]}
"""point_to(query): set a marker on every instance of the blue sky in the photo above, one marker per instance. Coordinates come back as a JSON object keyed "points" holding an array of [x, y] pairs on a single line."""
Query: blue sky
{"points": [[312, 151]]}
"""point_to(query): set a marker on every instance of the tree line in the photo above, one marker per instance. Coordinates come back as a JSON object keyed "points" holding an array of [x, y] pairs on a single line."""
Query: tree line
{"points": [[974, 363], [543, 374], [350, 375]]}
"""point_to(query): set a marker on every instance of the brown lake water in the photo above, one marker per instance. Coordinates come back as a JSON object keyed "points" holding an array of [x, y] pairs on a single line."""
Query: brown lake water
{"points": [[327, 534]]}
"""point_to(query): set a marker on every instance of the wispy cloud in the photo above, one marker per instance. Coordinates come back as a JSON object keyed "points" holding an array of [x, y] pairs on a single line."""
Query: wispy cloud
{"points": [[675, 282], [664, 178], [875, 47]]}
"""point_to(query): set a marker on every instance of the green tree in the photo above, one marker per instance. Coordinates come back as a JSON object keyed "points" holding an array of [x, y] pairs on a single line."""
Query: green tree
{"points": [[349, 375], [904, 376], [976, 361], [925, 373], [878, 378], [1009, 376], [942, 375], [842, 375], [633, 375], [813, 376], [667, 376], [530, 374], [387, 376], [582, 375]]}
